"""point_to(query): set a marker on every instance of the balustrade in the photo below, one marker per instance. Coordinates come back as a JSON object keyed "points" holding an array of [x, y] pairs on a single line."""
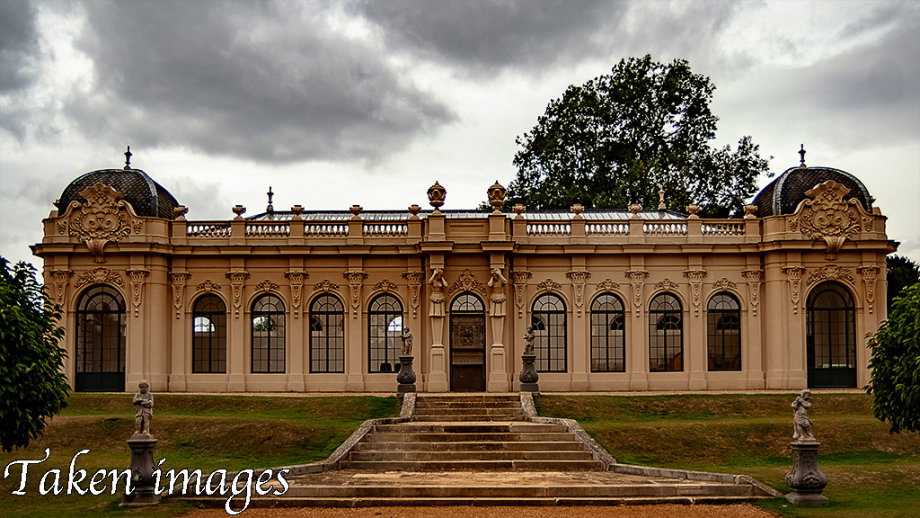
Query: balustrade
{"points": [[549, 229], [386, 229], [665, 228], [607, 229], [268, 229], [207, 230], [723, 228]]}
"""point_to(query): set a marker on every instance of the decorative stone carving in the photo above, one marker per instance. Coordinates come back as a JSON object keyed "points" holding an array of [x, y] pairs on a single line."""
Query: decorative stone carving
{"points": [[355, 281], [577, 209], [178, 280], [754, 278], [414, 210], [208, 286], [794, 276], [138, 277], [578, 277], [295, 279], [666, 285], [237, 280], [436, 302], [496, 197], [325, 287], [519, 210], [436, 195], [62, 226], [637, 279], [385, 286], [61, 278], [99, 276], [805, 478], [497, 283], [466, 282], [750, 211], [868, 274], [550, 285], [723, 284], [608, 285], [867, 223], [828, 216], [414, 279], [105, 217], [267, 285], [519, 279], [830, 273], [696, 286]]}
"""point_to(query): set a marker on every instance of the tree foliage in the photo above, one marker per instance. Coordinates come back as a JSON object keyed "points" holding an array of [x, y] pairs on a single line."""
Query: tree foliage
{"points": [[902, 272], [32, 384], [613, 140], [895, 364]]}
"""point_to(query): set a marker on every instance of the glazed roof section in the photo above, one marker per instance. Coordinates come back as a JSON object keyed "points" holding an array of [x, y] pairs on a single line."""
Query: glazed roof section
{"points": [[394, 215]]}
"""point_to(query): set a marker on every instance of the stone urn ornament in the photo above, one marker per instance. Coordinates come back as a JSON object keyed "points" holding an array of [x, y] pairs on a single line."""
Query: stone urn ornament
{"points": [[436, 195], [496, 197], [805, 479]]}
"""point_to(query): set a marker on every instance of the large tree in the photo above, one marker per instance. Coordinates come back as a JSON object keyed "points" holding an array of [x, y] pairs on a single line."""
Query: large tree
{"points": [[32, 384], [902, 272], [613, 140], [895, 364]]}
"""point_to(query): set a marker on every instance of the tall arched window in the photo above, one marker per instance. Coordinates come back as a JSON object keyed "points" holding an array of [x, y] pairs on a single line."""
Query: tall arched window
{"points": [[384, 323], [723, 326], [209, 335], [831, 337], [608, 338], [267, 334], [665, 334], [548, 320], [327, 334], [100, 361]]}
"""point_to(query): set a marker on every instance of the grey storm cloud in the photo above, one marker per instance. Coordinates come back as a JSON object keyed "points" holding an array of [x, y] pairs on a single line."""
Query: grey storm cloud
{"points": [[263, 81], [483, 36], [18, 44]]}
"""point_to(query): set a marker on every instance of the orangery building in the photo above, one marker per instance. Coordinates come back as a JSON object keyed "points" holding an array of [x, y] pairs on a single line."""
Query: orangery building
{"points": [[317, 300]]}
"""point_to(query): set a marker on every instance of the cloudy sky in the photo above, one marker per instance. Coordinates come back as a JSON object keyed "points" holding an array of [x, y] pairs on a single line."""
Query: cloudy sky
{"points": [[369, 102]]}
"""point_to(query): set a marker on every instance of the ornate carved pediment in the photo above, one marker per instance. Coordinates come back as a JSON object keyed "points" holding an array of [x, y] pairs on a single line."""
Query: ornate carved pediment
{"points": [[99, 276], [828, 216], [104, 218], [466, 282]]}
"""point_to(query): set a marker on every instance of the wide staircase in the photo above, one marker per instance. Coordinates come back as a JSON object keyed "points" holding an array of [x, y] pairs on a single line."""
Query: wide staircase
{"points": [[470, 433]]}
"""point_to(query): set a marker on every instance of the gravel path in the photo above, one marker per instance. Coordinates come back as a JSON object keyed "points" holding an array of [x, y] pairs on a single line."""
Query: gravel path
{"points": [[625, 511]]}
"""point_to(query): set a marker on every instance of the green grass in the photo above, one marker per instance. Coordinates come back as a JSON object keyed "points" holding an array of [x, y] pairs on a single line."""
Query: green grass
{"points": [[207, 432], [871, 473]]}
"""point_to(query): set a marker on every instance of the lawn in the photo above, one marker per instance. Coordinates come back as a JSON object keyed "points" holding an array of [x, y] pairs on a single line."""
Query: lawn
{"points": [[870, 472], [207, 432]]}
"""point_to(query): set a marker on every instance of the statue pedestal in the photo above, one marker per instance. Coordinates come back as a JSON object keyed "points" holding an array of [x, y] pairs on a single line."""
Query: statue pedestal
{"points": [[141, 468], [805, 479], [406, 376], [529, 374]]}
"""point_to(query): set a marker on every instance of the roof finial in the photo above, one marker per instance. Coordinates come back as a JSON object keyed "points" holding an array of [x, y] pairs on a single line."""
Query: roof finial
{"points": [[270, 207], [802, 154], [128, 159], [661, 203]]}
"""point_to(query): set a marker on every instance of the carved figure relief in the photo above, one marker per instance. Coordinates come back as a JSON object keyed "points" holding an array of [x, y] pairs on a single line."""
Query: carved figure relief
{"points": [[296, 278], [827, 215], [696, 285], [99, 276], [578, 277], [637, 279], [519, 279], [237, 280], [437, 283], [497, 283], [178, 280], [868, 274], [355, 281], [754, 278], [138, 277], [414, 280], [104, 218], [794, 276]]}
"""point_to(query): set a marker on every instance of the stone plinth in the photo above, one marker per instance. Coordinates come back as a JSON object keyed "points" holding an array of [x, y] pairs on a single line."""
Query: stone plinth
{"points": [[141, 468], [529, 374], [406, 376], [805, 479]]}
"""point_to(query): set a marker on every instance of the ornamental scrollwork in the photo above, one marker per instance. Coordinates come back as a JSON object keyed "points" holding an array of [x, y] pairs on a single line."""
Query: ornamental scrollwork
{"points": [[519, 280], [578, 278], [296, 279], [830, 273], [466, 282], [179, 279], [723, 284], [666, 285], [696, 286], [607, 285], [355, 281], [794, 277], [415, 282], [267, 285], [99, 276], [208, 286], [637, 279], [138, 278], [105, 217], [385, 286], [549, 285], [237, 280], [869, 274], [60, 278], [325, 287], [827, 215], [754, 278]]}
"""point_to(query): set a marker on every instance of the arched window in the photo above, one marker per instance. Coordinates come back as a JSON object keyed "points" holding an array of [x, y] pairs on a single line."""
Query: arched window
{"points": [[384, 329], [608, 334], [466, 303], [100, 361], [209, 334], [665, 334], [327, 334], [723, 325], [831, 337], [267, 334], [548, 320]]}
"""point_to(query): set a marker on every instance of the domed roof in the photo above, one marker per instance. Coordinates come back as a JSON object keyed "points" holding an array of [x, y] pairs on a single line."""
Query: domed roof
{"points": [[147, 197], [783, 195]]}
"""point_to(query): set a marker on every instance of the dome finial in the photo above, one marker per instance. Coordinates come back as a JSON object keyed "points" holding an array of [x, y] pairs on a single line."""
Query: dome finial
{"points": [[128, 154], [802, 155], [270, 207]]}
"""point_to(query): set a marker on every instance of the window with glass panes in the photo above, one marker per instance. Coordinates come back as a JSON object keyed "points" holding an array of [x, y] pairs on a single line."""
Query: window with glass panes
{"points": [[608, 334], [327, 334], [549, 323]]}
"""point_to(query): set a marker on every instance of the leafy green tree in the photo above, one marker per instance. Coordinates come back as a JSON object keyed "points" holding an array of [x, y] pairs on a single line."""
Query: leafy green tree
{"points": [[895, 364], [902, 272], [613, 140], [32, 384]]}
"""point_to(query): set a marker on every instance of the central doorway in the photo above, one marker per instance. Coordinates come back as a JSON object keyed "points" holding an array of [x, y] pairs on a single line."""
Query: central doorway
{"points": [[467, 344]]}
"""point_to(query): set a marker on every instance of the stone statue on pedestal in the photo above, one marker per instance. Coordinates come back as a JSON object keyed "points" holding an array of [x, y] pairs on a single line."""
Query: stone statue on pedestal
{"points": [[143, 405], [805, 479]]}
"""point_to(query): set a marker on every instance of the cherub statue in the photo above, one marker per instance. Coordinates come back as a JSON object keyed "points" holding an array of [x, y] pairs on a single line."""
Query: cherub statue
{"points": [[528, 340], [436, 308], [143, 403], [801, 422], [407, 341]]}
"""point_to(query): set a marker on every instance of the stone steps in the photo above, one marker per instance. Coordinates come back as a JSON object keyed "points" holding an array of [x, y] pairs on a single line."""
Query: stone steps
{"points": [[345, 502], [478, 446]]}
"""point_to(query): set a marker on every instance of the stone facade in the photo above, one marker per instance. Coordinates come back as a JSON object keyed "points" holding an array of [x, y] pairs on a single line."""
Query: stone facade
{"points": [[314, 301]]}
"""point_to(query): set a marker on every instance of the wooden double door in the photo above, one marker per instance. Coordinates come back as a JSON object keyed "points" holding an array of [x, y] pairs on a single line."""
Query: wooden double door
{"points": [[468, 352]]}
